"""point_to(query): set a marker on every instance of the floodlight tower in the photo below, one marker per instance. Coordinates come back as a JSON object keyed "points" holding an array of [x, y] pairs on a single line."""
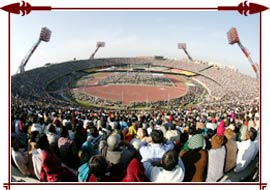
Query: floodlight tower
{"points": [[99, 45], [45, 35], [183, 46], [233, 38]]}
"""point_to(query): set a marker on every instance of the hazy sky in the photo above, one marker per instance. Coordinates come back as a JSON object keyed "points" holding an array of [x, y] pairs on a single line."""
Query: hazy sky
{"points": [[134, 33]]}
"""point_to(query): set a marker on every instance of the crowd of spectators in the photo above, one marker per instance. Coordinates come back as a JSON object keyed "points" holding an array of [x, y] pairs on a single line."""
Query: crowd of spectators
{"points": [[78, 95], [232, 84], [195, 94], [33, 84], [52, 142], [139, 78], [221, 83]]}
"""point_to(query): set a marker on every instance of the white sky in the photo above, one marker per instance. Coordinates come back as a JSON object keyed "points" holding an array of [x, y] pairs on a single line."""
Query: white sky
{"points": [[134, 33]]}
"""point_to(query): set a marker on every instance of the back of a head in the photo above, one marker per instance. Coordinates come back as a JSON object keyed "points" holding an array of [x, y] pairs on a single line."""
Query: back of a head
{"points": [[93, 131], [64, 132], [98, 166], [113, 141], [78, 125], [184, 137], [252, 134], [133, 119], [42, 141], [159, 122], [210, 133], [170, 160], [172, 126], [157, 136], [51, 128], [33, 136], [191, 130]]}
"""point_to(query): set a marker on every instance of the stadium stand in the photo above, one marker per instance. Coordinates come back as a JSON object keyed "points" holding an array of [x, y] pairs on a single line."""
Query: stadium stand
{"points": [[220, 109]]}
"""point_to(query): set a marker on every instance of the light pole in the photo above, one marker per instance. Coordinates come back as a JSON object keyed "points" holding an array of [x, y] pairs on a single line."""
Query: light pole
{"points": [[233, 38], [99, 45], [45, 35], [183, 46]]}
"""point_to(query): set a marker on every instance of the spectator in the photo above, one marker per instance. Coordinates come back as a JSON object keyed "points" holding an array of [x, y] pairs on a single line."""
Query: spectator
{"points": [[53, 139], [135, 172], [169, 169], [173, 134], [155, 146], [94, 137], [231, 150], [51, 168], [80, 134], [20, 157], [132, 130], [103, 171], [68, 150], [86, 152], [141, 134], [116, 151], [32, 150], [216, 159], [195, 159], [247, 150]]}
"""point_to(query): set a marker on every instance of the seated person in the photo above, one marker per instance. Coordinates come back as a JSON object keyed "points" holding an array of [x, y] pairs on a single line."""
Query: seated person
{"points": [[117, 151], [247, 150], [195, 159], [103, 171], [135, 172], [155, 146], [51, 167], [20, 157], [169, 169]]}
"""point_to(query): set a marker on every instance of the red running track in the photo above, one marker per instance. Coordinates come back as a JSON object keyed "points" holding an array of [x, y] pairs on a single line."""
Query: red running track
{"points": [[134, 93]]}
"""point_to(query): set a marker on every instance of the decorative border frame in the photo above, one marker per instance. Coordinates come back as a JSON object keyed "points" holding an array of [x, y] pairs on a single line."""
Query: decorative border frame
{"points": [[25, 8]]}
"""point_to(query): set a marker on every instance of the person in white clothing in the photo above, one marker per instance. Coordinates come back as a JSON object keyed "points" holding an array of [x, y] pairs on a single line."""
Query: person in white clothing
{"points": [[37, 161], [173, 134], [155, 146], [216, 159], [141, 134], [247, 150], [20, 157], [169, 169]]}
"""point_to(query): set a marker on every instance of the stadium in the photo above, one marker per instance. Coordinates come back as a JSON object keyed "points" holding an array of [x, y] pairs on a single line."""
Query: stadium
{"points": [[81, 82], [129, 116]]}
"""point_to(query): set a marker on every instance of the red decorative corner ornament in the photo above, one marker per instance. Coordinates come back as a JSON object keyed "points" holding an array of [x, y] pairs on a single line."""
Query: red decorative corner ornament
{"points": [[243, 8], [7, 186], [25, 8]]}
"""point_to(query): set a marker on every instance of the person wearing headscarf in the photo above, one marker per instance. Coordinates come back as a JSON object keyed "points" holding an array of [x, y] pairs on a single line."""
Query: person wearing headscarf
{"points": [[195, 159]]}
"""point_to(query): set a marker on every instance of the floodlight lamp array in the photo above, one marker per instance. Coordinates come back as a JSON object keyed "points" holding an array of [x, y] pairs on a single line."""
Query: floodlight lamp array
{"points": [[45, 34], [233, 36]]}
